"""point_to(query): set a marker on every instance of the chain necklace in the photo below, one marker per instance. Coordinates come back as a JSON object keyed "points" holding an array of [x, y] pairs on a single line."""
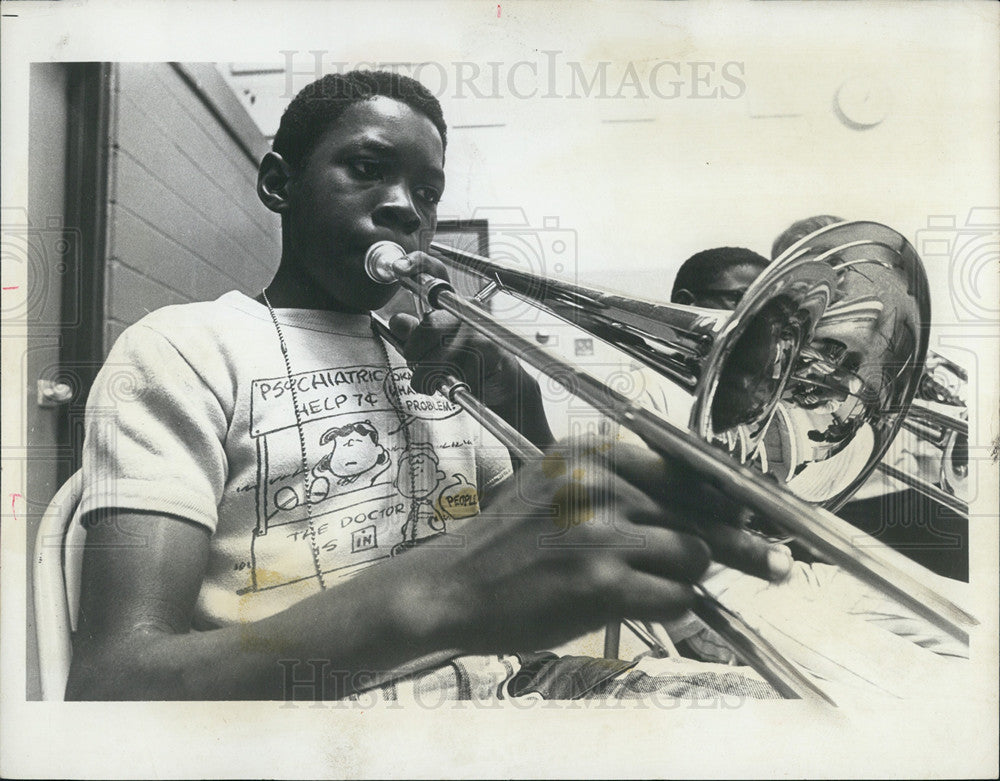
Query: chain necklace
{"points": [[307, 479], [394, 400], [307, 484]]}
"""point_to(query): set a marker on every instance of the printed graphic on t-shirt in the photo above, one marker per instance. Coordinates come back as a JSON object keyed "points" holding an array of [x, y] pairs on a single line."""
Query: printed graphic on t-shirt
{"points": [[374, 480]]}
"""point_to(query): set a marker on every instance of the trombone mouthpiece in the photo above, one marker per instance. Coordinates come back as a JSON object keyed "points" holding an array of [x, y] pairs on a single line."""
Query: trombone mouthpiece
{"points": [[380, 262]]}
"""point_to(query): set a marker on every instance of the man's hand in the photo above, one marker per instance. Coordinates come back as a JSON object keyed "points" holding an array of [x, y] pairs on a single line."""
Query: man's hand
{"points": [[440, 344], [594, 532]]}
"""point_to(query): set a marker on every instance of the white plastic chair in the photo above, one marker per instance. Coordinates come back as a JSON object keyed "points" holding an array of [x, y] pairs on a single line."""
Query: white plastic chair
{"points": [[56, 572]]}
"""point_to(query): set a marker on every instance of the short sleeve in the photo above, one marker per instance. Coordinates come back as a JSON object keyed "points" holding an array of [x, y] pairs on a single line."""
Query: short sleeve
{"points": [[155, 433]]}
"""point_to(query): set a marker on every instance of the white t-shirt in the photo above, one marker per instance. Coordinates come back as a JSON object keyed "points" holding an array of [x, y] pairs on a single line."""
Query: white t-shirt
{"points": [[194, 415]]}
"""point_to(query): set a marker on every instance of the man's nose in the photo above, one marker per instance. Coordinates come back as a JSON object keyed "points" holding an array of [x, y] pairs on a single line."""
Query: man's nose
{"points": [[397, 210]]}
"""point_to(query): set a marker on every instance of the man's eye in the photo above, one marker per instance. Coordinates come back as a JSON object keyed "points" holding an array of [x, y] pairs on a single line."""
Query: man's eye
{"points": [[429, 194], [367, 169]]}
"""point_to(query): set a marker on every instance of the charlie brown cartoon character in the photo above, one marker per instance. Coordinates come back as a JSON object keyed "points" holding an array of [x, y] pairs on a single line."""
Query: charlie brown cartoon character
{"points": [[417, 479]]}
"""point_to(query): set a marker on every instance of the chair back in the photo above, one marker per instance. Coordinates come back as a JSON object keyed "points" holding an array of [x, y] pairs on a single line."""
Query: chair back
{"points": [[56, 571]]}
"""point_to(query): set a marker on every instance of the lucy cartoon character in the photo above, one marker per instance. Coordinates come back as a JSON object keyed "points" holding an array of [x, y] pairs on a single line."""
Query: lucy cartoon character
{"points": [[355, 453]]}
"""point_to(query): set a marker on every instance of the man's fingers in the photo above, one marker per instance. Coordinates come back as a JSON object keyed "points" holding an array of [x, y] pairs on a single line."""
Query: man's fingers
{"points": [[728, 544], [746, 551], [424, 339], [725, 543], [420, 262], [694, 511], [402, 325], [435, 347], [622, 521], [668, 553], [675, 535], [675, 485], [668, 484], [649, 597]]}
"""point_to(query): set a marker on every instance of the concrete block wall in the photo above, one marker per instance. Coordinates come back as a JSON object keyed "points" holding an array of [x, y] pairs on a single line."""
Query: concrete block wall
{"points": [[184, 221]]}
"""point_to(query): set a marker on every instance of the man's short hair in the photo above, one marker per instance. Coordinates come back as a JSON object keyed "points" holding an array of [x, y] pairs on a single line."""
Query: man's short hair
{"points": [[320, 104], [799, 230], [703, 268]]}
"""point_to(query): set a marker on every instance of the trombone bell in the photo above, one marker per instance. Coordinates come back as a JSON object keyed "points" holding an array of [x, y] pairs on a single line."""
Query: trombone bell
{"points": [[809, 378]]}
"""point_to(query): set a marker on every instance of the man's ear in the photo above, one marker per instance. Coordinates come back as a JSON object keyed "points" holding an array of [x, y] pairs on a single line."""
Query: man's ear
{"points": [[273, 178], [683, 296]]}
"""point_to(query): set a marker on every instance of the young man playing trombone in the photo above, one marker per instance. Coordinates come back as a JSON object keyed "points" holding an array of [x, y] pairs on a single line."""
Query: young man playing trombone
{"points": [[281, 511], [219, 557]]}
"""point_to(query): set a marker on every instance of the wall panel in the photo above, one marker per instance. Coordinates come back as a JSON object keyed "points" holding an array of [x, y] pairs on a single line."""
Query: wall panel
{"points": [[184, 220]]}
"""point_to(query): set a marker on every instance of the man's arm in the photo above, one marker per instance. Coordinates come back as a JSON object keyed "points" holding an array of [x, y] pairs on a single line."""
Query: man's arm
{"points": [[141, 577], [572, 546]]}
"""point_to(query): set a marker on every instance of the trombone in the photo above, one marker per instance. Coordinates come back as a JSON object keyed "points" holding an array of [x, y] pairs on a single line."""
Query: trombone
{"points": [[830, 340], [939, 418]]}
